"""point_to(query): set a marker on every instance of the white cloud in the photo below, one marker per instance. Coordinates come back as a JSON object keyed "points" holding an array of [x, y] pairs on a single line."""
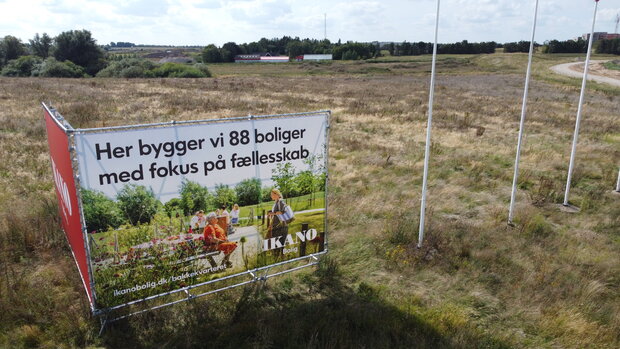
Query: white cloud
{"points": [[211, 4], [259, 13], [218, 21], [144, 8]]}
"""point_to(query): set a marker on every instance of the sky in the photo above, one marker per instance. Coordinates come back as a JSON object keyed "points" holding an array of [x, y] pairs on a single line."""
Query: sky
{"points": [[203, 22]]}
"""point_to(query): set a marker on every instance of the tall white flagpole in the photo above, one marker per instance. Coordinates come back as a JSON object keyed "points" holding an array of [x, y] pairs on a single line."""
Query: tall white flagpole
{"points": [[618, 183], [428, 132], [579, 109], [522, 123]]}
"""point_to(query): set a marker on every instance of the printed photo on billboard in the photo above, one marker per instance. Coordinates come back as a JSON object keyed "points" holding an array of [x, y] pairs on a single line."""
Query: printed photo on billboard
{"points": [[175, 206]]}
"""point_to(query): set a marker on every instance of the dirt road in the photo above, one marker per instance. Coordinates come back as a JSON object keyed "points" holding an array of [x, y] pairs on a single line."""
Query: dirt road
{"points": [[597, 72]]}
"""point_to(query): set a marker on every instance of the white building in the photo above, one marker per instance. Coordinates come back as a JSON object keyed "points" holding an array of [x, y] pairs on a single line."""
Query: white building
{"points": [[323, 57]]}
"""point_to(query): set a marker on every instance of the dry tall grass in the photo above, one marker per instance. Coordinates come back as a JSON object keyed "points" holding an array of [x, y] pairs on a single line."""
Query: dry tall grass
{"points": [[553, 281]]}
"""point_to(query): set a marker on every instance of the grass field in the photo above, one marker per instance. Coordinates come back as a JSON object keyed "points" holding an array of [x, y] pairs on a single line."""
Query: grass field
{"points": [[553, 281]]}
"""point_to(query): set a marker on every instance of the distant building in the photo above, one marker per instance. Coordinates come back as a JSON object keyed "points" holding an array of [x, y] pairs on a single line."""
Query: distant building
{"points": [[601, 36], [274, 59], [314, 57], [260, 58]]}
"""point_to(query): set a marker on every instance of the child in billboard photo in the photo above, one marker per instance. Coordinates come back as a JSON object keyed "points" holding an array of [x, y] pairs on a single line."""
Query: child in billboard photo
{"points": [[215, 238], [198, 222]]}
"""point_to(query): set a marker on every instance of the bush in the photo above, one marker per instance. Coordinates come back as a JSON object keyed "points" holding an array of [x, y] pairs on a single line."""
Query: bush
{"points": [[100, 213], [204, 69], [137, 203], [52, 68], [176, 70], [23, 66], [537, 227], [128, 68]]}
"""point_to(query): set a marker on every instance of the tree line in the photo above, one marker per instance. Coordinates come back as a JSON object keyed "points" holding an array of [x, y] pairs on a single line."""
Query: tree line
{"points": [[423, 48], [75, 54], [291, 47], [611, 46]]}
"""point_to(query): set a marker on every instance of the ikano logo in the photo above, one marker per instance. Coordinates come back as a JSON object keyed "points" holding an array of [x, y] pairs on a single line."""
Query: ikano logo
{"points": [[62, 188]]}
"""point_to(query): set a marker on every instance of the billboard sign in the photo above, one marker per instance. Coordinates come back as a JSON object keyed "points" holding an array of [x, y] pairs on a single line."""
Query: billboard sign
{"points": [[68, 204], [175, 206]]}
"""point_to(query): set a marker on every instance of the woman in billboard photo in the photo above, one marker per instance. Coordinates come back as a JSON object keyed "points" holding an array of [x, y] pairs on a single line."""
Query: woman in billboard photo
{"points": [[234, 214], [278, 227], [215, 237]]}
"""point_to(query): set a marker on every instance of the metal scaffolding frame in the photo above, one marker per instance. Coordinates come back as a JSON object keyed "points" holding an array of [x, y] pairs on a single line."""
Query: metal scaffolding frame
{"points": [[260, 274]]}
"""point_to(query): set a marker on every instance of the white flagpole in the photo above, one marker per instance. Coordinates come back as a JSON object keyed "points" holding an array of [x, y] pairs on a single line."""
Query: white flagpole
{"points": [[428, 132], [522, 123], [618, 183], [579, 109]]}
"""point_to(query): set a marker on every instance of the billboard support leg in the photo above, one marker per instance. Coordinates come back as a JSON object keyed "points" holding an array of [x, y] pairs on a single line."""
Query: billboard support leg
{"points": [[104, 321]]}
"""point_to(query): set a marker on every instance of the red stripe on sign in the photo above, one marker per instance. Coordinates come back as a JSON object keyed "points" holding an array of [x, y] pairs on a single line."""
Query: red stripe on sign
{"points": [[66, 192]]}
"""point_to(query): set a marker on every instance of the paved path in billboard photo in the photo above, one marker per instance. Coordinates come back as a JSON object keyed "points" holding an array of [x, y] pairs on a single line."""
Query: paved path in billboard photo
{"points": [[597, 72], [251, 246]]}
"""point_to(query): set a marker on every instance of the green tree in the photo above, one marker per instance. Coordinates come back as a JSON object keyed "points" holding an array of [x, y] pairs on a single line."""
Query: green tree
{"points": [[11, 48], [294, 49], [304, 181], [229, 51], [172, 207], [194, 197], [248, 191], [311, 180], [100, 212], [137, 203], [350, 55], [224, 196], [283, 175], [41, 45], [79, 47], [211, 54]]}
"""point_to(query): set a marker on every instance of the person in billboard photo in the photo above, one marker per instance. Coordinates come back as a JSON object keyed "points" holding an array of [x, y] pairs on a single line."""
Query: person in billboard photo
{"points": [[234, 215], [278, 227], [215, 238], [223, 212], [198, 222]]}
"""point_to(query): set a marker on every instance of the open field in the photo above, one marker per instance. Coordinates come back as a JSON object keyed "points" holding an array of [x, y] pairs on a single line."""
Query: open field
{"points": [[553, 281]]}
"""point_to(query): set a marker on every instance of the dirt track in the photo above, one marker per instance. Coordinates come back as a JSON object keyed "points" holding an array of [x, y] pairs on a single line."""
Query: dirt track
{"points": [[597, 72]]}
